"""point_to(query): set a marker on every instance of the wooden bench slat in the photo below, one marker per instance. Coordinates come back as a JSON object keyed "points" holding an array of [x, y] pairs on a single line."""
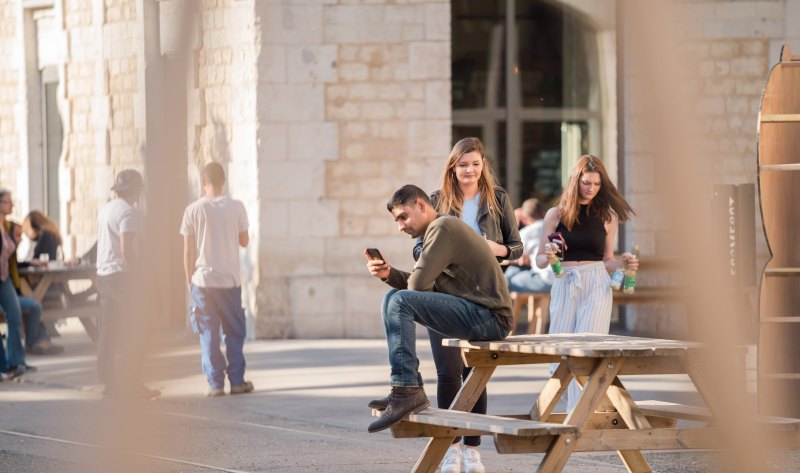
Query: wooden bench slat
{"points": [[488, 424], [671, 409], [701, 414]]}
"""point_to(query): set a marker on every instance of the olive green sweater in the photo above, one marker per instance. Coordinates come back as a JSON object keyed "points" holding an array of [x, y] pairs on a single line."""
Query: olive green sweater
{"points": [[456, 260]]}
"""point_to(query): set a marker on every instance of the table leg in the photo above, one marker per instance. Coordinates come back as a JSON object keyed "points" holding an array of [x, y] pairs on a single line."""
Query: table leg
{"points": [[465, 400], [635, 419], [603, 374], [91, 328], [552, 392]]}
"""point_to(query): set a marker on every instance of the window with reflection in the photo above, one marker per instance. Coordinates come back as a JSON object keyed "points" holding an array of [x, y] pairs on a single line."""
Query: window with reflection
{"points": [[526, 82]]}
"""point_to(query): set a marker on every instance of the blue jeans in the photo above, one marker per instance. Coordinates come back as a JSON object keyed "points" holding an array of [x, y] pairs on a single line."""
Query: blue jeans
{"points": [[15, 355], [449, 315], [524, 280], [35, 331], [211, 309]]}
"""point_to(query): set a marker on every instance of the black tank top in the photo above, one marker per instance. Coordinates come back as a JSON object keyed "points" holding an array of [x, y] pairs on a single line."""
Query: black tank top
{"points": [[587, 240]]}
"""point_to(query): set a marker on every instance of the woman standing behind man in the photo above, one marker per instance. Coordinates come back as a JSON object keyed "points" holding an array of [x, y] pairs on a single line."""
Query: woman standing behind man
{"points": [[587, 216], [468, 191]]}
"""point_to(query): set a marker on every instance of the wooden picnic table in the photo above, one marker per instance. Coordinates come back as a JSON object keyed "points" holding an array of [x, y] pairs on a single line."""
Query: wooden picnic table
{"points": [[36, 280], [605, 417]]}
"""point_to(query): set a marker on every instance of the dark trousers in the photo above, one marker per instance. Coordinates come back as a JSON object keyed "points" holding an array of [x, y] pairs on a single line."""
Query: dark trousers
{"points": [[450, 371], [122, 327]]}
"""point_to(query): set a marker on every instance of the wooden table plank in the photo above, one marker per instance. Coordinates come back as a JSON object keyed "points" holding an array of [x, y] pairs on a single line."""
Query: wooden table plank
{"points": [[580, 345]]}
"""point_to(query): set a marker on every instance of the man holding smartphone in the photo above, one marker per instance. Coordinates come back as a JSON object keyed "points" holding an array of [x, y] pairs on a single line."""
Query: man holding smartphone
{"points": [[456, 288], [213, 229]]}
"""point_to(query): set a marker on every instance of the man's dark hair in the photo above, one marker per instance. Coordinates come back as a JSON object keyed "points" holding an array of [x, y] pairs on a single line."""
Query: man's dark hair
{"points": [[407, 195], [214, 174]]}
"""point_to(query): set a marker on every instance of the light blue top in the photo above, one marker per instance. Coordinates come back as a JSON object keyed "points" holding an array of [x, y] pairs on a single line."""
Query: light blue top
{"points": [[469, 213]]}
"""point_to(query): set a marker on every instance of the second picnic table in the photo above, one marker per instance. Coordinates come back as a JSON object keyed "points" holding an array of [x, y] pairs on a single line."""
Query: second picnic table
{"points": [[35, 281], [605, 417]]}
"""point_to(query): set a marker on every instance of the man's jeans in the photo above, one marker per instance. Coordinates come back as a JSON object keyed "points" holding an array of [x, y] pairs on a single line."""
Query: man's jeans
{"points": [[35, 331], [451, 316], [15, 355], [524, 280], [212, 308]]}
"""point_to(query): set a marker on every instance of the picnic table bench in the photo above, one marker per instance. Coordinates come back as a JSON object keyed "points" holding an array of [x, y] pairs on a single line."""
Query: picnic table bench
{"points": [[605, 417], [36, 281]]}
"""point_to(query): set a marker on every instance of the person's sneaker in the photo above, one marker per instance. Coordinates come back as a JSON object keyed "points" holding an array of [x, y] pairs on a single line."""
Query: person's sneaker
{"points": [[17, 371], [215, 392], [244, 388], [472, 461], [404, 401], [451, 463], [5, 376]]}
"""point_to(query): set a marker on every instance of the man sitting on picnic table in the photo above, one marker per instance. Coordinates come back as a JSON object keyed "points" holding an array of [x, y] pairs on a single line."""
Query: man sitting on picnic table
{"points": [[456, 288]]}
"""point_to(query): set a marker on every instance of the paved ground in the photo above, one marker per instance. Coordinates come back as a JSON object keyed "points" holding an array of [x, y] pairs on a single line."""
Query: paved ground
{"points": [[308, 414]]}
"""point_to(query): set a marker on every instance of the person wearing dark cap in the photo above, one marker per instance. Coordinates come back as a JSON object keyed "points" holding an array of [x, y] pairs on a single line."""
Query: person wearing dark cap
{"points": [[120, 348]]}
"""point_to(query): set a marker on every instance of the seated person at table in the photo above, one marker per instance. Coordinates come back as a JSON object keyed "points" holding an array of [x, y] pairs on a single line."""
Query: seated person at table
{"points": [[456, 288], [44, 235], [522, 276], [37, 339]]}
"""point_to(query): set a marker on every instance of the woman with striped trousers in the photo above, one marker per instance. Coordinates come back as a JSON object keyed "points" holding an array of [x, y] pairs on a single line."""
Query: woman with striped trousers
{"points": [[587, 216]]}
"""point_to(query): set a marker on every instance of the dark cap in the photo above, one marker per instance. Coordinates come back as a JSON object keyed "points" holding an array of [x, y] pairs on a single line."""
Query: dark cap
{"points": [[128, 180]]}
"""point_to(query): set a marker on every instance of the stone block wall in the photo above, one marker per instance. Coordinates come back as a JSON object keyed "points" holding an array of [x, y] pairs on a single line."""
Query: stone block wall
{"points": [[733, 44], [10, 126], [101, 103], [353, 102]]}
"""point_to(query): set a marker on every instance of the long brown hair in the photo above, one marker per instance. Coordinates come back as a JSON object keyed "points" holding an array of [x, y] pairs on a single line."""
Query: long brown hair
{"points": [[41, 222], [607, 200], [451, 200]]}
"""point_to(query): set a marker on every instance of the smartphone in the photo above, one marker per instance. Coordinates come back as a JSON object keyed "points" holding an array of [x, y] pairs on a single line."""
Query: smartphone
{"points": [[373, 253]]}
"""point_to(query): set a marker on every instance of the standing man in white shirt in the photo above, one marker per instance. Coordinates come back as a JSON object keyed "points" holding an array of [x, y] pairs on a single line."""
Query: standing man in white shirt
{"points": [[213, 229], [122, 322]]}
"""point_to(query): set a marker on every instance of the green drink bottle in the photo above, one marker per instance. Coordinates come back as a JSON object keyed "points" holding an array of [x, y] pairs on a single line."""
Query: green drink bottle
{"points": [[629, 284], [555, 263]]}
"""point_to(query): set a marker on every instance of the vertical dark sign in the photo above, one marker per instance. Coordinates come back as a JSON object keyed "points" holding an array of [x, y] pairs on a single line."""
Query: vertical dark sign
{"points": [[733, 217]]}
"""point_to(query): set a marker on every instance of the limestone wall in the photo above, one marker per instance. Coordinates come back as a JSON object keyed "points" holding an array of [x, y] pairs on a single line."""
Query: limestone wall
{"points": [[10, 105], [354, 101]]}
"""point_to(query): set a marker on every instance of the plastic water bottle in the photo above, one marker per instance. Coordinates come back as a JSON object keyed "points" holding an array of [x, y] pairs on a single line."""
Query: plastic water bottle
{"points": [[618, 277], [629, 284], [555, 263]]}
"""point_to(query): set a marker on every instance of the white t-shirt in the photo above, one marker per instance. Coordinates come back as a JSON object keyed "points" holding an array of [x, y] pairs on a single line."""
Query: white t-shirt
{"points": [[116, 217], [216, 224], [531, 236]]}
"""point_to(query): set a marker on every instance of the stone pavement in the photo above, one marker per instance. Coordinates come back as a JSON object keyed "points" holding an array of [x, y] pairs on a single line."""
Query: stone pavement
{"points": [[308, 413]]}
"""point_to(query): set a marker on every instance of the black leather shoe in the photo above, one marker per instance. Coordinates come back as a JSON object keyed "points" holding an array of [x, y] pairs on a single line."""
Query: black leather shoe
{"points": [[402, 402], [380, 404]]}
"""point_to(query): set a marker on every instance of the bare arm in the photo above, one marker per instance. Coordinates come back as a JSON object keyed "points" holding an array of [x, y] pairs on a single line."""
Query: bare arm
{"points": [[608, 254], [189, 257], [244, 239]]}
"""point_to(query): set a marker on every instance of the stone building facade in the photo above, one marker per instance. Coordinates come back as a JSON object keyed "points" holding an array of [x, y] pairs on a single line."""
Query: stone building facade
{"points": [[318, 109]]}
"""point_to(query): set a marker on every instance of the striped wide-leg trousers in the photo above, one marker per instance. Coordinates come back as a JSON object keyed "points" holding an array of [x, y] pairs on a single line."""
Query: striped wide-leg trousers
{"points": [[580, 302]]}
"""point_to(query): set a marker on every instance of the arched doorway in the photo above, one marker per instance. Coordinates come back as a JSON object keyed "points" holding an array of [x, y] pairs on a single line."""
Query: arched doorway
{"points": [[528, 79]]}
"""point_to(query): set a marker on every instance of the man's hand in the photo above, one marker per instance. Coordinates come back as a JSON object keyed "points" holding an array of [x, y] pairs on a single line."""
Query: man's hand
{"points": [[377, 267]]}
